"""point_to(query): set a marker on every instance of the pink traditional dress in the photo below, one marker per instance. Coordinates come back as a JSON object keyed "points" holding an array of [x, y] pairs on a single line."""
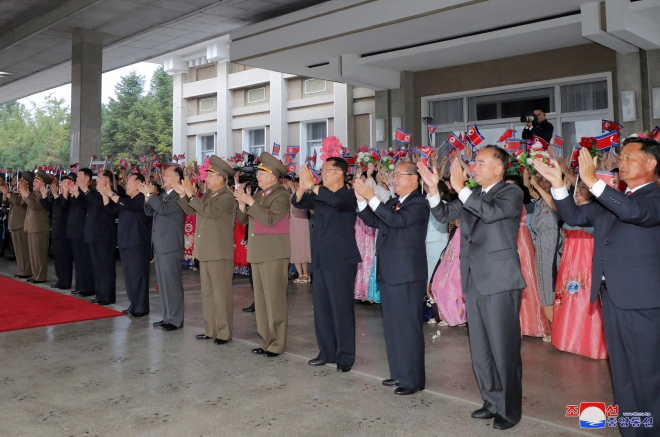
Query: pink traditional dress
{"points": [[366, 242], [533, 321], [189, 227], [446, 286], [577, 324]]}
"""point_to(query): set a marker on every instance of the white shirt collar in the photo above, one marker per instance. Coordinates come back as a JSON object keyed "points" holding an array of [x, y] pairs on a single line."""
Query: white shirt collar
{"points": [[169, 191], [637, 188], [401, 199], [487, 189]]}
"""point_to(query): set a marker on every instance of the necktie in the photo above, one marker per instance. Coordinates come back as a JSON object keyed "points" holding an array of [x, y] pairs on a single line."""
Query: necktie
{"points": [[483, 193]]}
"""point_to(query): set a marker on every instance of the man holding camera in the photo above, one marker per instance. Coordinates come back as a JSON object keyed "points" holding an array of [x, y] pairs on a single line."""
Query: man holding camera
{"points": [[537, 125]]}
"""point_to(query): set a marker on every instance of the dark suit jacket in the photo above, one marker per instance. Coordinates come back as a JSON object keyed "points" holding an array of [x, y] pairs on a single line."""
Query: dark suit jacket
{"points": [[544, 130], [59, 212], [99, 225], [134, 225], [168, 222], [75, 228], [626, 243], [489, 237], [401, 241], [334, 227]]}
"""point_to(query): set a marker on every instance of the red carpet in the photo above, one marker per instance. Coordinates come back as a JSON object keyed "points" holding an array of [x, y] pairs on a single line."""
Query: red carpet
{"points": [[26, 306]]}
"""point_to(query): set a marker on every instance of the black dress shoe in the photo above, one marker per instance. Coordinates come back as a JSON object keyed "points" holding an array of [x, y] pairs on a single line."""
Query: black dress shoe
{"points": [[271, 354], [139, 314], [482, 413], [169, 327], [22, 276], [36, 282], [390, 383], [249, 309], [407, 391], [220, 341], [125, 311], [316, 362], [31, 281], [344, 368], [103, 303], [85, 294], [93, 300], [258, 351], [54, 286], [501, 423], [157, 324], [198, 336]]}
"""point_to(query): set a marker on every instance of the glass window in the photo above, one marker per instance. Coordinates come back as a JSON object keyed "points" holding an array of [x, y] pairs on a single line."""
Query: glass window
{"points": [[206, 104], [315, 134], [511, 104], [580, 97], [207, 148], [256, 95], [447, 111], [313, 86], [257, 141], [574, 130]]}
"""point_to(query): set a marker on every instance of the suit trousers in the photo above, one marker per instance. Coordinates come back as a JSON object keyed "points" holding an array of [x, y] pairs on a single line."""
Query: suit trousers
{"points": [[403, 318], [494, 332], [39, 243], [63, 255], [103, 257], [84, 273], [217, 297], [19, 239], [135, 267], [170, 286], [270, 284], [633, 343], [334, 314]]}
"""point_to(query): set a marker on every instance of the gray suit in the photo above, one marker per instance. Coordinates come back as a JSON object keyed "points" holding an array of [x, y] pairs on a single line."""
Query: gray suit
{"points": [[167, 242], [492, 283]]}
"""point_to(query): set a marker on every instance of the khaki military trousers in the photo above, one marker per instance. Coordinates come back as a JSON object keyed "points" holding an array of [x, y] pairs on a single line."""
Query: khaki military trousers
{"points": [[19, 238], [217, 297], [38, 244], [270, 281]]}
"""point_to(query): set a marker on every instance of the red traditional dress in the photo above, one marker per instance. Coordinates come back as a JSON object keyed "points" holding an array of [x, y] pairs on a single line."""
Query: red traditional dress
{"points": [[577, 324], [189, 227], [240, 250]]}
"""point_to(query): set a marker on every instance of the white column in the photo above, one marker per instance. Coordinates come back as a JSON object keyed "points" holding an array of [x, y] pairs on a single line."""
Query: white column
{"points": [[180, 117], [225, 145], [279, 129], [344, 122]]}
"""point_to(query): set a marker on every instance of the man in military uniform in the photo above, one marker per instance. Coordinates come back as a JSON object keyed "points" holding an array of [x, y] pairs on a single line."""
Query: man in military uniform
{"points": [[62, 251], [268, 251], [17, 210], [214, 246], [37, 227]]}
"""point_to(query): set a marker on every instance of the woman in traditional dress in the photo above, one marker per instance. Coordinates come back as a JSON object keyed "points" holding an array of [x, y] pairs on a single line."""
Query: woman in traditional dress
{"points": [[301, 249], [577, 325], [190, 225], [446, 287]]}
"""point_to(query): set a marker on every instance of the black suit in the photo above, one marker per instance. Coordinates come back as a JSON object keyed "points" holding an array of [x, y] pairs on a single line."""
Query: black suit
{"points": [[543, 129], [334, 259], [75, 231], [402, 272], [100, 235], [492, 282], [134, 242], [627, 254], [62, 249]]}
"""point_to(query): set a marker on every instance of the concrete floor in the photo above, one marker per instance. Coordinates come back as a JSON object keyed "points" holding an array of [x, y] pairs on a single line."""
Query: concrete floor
{"points": [[122, 377]]}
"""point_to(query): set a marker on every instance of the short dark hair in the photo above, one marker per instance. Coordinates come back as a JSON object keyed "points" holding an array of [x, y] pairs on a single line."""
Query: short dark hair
{"points": [[650, 148], [179, 171], [138, 176], [339, 163], [539, 108], [87, 172], [108, 174], [499, 153]]}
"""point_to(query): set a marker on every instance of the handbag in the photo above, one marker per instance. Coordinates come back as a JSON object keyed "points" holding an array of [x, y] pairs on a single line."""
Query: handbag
{"points": [[281, 227]]}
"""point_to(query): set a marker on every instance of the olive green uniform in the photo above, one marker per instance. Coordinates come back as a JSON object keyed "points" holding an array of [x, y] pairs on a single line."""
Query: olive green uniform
{"points": [[19, 238], [37, 227]]}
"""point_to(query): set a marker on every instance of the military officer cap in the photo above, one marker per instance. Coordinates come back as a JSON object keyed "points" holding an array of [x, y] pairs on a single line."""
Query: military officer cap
{"points": [[220, 167], [73, 176], [269, 163], [27, 177], [44, 177]]}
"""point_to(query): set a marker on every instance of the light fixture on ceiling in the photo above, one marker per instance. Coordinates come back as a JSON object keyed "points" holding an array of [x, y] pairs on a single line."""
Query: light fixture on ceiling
{"points": [[4, 74]]}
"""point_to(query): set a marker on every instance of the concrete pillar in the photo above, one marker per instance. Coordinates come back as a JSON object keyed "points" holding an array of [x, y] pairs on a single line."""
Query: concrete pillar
{"points": [[653, 68], [343, 109], [279, 128], [86, 70], [397, 104], [383, 113], [629, 78], [179, 117], [225, 145]]}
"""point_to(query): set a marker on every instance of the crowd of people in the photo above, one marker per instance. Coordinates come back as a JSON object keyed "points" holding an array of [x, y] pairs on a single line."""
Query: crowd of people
{"points": [[551, 252]]}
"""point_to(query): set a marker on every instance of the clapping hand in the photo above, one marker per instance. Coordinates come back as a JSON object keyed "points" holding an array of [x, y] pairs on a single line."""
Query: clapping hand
{"points": [[82, 184], [4, 189], [362, 190], [244, 197], [188, 187], [551, 174], [306, 178], [458, 175], [178, 187], [430, 178], [104, 190], [588, 167]]}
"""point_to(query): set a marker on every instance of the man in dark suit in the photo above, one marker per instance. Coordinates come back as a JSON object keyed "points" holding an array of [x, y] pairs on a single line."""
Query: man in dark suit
{"points": [[167, 243], [100, 237], [401, 270], [133, 240], [491, 278], [626, 269], [334, 259], [62, 251]]}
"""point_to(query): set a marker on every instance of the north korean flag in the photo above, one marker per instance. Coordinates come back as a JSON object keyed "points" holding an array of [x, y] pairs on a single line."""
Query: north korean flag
{"points": [[363, 149], [609, 125], [455, 142], [575, 155], [276, 150], [424, 152], [509, 133], [607, 140], [541, 141], [655, 133], [512, 145], [291, 168], [292, 150], [314, 158], [123, 164], [289, 157], [474, 136], [432, 128], [558, 141], [402, 137], [375, 154], [317, 175]]}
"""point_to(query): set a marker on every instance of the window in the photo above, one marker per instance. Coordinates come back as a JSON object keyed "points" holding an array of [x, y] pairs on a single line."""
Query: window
{"points": [[206, 104], [313, 86], [447, 111], [256, 95], [257, 141], [510, 105], [207, 146], [574, 130], [315, 133], [590, 96]]}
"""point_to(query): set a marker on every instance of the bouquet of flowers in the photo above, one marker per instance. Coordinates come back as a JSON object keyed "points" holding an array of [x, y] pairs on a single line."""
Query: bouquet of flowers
{"points": [[387, 163], [534, 151], [364, 159]]}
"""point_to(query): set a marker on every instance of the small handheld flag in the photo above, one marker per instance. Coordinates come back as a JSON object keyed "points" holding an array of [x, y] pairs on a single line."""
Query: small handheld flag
{"points": [[509, 133], [655, 133], [402, 137], [541, 141], [424, 152], [558, 141], [291, 168], [512, 145], [292, 150], [607, 140], [609, 125], [276, 150], [455, 142], [474, 136]]}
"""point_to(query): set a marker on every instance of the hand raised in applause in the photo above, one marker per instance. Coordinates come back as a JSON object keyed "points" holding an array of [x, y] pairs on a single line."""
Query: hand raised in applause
{"points": [[306, 178], [430, 178], [244, 197], [552, 174], [82, 184], [178, 187], [105, 190], [588, 166], [458, 175], [188, 187], [362, 190]]}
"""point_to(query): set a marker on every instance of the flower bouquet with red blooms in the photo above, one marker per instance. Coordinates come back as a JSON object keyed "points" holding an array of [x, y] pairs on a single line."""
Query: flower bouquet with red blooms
{"points": [[589, 143], [534, 151]]}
